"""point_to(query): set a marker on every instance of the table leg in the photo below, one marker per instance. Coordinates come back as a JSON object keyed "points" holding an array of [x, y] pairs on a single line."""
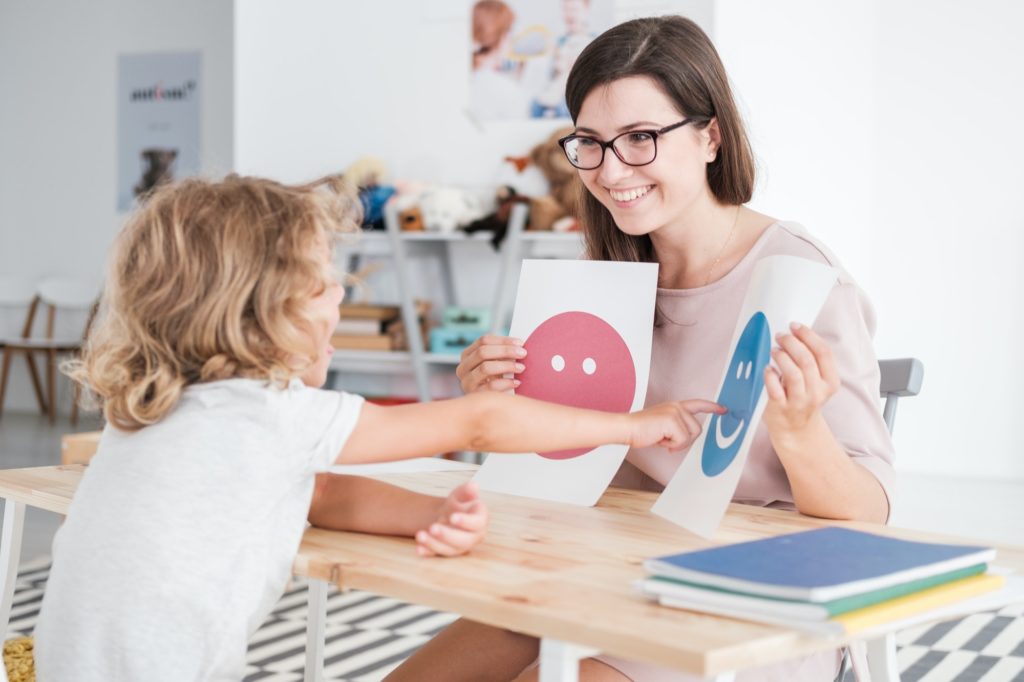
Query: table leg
{"points": [[560, 661], [315, 630], [10, 554], [881, 655]]}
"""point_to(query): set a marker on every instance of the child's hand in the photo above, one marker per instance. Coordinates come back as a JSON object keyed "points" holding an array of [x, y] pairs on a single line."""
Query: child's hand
{"points": [[461, 524], [806, 378], [670, 425]]}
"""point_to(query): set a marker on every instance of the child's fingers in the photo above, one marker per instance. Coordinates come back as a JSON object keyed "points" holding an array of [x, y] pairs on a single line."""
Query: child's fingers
{"points": [[435, 542], [692, 426], [698, 406], [452, 536], [470, 520], [466, 493]]}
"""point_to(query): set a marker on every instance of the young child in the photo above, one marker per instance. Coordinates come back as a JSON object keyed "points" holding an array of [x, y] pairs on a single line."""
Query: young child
{"points": [[214, 334]]}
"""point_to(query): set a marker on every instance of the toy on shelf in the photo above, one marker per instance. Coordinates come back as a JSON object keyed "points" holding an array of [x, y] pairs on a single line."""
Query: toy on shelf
{"points": [[368, 175], [460, 327], [555, 210], [439, 208]]}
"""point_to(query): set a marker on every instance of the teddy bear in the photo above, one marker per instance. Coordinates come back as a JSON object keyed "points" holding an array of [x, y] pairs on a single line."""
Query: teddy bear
{"points": [[556, 210]]}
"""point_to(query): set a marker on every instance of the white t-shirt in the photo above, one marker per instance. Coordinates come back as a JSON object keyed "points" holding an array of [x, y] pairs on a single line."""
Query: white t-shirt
{"points": [[181, 536]]}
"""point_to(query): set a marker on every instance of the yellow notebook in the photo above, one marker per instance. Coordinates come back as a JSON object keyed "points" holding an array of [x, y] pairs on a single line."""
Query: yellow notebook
{"points": [[913, 604]]}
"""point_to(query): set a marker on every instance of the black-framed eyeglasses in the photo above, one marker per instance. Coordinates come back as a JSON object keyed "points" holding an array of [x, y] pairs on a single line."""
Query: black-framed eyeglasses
{"points": [[634, 147]]}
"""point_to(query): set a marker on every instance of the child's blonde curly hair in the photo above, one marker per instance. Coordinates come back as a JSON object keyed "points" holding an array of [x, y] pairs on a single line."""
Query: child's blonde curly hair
{"points": [[211, 280]]}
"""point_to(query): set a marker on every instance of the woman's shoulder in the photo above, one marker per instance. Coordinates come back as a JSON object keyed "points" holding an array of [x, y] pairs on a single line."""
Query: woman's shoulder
{"points": [[788, 238]]}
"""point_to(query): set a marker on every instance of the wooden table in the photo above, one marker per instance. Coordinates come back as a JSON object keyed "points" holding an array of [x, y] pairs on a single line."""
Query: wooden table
{"points": [[558, 572]]}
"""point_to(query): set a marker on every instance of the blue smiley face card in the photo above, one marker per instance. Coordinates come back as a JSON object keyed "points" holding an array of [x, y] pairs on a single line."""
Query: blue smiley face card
{"points": [[782, 289]]}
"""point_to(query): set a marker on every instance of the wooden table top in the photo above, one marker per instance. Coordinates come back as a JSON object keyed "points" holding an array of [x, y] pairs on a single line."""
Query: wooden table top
{"points": [[548, 569]]}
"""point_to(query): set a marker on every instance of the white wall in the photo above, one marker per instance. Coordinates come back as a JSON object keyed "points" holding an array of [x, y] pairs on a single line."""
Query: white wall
{"points": [[58, 79], [892, 130]]}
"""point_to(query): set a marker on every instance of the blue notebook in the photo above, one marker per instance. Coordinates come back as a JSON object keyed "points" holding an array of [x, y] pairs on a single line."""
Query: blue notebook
{"points": [[817, 565]]}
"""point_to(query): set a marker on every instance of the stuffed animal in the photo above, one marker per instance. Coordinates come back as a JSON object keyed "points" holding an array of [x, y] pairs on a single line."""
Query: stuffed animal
{"points": [[558, 207], [444, 209], [497, 222], [368, 175], [562, 178]]}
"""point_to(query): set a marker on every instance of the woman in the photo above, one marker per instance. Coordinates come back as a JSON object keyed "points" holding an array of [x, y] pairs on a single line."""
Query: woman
{"points": [[667, 168]]}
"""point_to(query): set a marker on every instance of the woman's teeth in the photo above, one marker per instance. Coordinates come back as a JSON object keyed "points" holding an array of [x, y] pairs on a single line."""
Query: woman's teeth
{"points": [[630, 194]]}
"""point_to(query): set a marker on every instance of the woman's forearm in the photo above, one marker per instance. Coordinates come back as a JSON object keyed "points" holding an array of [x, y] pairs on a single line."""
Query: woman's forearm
{"points": [[826, 483]]}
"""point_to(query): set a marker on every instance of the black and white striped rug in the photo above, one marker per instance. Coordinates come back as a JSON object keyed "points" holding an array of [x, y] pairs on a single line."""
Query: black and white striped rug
{"points": [[367, 636]]}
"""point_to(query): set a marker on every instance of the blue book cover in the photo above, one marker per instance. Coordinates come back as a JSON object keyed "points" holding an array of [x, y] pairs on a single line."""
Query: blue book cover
{"points": [[817, 565]]}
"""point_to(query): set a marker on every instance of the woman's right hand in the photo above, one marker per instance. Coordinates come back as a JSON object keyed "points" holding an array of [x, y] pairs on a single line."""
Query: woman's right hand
{"points": [[670, 425], [485, 363]]}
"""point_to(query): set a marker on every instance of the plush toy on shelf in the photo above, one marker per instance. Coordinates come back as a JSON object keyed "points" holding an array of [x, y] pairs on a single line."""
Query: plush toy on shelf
{"points": [[555, 210], [368, 174], [437, 208], [497, 222]]}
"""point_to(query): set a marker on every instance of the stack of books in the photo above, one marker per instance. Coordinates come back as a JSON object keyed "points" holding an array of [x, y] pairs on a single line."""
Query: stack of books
{"points": [[363, 326], [831, 581], [366, 326]]}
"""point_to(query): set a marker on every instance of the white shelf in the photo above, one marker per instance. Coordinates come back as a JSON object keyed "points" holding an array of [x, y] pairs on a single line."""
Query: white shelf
{"points": [[349, 358], [375, 236], [398, 245]]}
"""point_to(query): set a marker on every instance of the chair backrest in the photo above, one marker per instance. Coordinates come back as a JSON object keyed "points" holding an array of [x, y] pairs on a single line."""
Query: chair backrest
{"points": [[76, 299], [66, 292], [16, 291], [901, 377]]}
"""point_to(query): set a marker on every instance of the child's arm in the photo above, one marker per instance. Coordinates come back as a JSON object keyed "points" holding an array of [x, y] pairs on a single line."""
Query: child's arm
{"points": [[441, 526], [496, 422]]}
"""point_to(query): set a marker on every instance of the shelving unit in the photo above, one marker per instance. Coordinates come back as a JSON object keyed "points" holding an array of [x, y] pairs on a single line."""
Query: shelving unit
{"points": [[400, 247]]}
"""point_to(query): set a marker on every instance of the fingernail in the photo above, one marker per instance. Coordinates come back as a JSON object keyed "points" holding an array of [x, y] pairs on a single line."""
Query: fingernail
{"points": [[520, 352], [435, 528], [520, 367], [517, 342], [421, 536], [456, 518], [795, 325], [516, 382]]}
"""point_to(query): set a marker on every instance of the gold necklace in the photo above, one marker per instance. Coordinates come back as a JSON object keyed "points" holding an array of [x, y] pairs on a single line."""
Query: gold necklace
{"points": [[721, 252]]}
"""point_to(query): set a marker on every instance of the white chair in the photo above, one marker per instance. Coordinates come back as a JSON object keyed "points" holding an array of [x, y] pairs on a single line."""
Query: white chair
{"points": [[53, 294]]}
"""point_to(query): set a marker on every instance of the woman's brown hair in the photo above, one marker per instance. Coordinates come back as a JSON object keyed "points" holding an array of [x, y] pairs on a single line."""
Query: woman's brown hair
{"points": [[210, 280], [679, 57]]}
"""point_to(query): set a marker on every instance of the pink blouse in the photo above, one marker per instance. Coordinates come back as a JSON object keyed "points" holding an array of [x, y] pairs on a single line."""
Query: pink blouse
{"points": [[691, 336]]}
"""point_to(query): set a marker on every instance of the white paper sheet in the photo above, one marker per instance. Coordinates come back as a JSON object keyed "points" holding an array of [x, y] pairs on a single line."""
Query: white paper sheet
{"points": [[783, 289], [587, 327]]}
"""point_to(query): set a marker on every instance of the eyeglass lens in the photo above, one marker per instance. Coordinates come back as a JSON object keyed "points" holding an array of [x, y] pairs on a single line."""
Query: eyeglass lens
{"points": [[633, 148]]}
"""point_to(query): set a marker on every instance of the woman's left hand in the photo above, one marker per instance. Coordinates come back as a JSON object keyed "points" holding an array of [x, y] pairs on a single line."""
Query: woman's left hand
{"points": [[461, 524], [806, 378]]}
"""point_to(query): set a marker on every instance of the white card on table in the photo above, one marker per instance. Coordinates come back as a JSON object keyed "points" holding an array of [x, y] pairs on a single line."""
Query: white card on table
{"points": [[587, 329], [783, 289]]}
